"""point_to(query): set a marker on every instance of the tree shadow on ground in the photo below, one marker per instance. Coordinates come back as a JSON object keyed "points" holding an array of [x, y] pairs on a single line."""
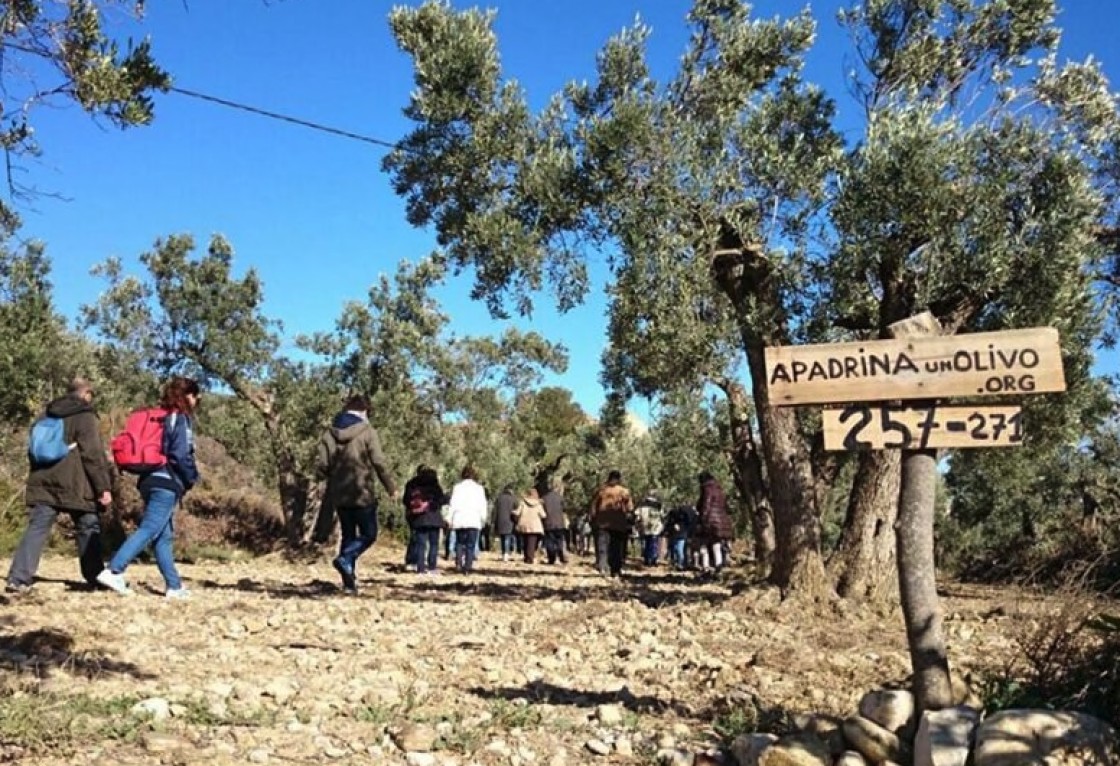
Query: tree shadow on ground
{"points": [[42, 651], [542, 692], [313, 589], [483, 568], [529, 589]]}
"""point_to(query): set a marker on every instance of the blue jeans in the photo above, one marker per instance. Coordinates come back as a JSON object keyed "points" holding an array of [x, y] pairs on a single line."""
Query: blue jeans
{"points": [[554, 546], [677, 552], [423, 548], [358, 527], [651, 546], [466, 548], [509, 545], [158, 528]]}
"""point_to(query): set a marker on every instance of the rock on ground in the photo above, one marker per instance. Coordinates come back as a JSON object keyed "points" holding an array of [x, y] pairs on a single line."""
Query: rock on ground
{"points": [[271, 663], [1037, 736], [945, 737]]}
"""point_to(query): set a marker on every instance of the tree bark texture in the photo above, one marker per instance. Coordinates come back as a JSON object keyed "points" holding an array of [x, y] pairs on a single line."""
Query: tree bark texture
{"points": [[863, 565], [798, 566], [746, 467], [917, 578]]}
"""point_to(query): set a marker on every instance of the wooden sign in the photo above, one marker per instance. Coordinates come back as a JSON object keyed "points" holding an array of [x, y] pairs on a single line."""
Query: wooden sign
{"points": [[1010, 362], [882, 426]]}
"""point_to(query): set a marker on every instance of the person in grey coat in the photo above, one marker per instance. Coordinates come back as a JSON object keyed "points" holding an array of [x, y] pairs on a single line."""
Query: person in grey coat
{"points": [[504, 506]]}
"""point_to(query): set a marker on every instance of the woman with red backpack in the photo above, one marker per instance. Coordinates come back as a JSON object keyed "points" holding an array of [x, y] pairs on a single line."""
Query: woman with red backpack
{"points": [[163, 489]]}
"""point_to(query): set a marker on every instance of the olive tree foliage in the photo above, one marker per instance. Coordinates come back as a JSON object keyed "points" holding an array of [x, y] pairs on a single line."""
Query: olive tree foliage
{"points": [[728, 158], [190, 314], [438, 399], [974, 194], [669, 332], [30, 331], [689, 436], [58, 52]]}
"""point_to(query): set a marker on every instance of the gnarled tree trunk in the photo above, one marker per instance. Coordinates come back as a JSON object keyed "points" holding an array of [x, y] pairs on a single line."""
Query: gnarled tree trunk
{"points": [[798, 565], [293, 484], [746, 277], [863, 565], [746, 467]]}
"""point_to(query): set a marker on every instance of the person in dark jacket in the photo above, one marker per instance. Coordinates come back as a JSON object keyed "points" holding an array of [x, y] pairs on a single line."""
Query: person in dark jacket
{"points": [[350, 458], [423, 497], [504, 506], [713, 524], [162, 491], [678, 526], [77, 485], [555, 526]]}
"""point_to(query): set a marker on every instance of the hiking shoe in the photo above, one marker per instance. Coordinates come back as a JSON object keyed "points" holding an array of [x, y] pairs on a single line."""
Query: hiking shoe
{"points": [[114, 582], [346, 572], [177, 594], [17, 588]]}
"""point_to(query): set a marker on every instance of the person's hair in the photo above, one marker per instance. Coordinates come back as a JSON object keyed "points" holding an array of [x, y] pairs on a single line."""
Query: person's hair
{"points": [[705, 476], [469, 472], [614, 476], [175, 394], [532, 493], [357, 403], [79, 386]]}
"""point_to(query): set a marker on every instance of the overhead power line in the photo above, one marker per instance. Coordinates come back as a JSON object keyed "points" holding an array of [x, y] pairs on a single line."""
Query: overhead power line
{"points": [[284, 118]]}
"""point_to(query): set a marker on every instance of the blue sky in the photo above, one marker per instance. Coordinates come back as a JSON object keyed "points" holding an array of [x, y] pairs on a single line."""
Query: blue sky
{"points": [[313, 213]]}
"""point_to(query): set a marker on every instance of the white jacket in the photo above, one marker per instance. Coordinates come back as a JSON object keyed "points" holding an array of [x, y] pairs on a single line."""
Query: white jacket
{"points": [[468, 505]]}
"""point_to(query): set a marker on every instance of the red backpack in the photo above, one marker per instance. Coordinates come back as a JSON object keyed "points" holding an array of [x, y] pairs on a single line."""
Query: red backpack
{"points": [[139, 447]]}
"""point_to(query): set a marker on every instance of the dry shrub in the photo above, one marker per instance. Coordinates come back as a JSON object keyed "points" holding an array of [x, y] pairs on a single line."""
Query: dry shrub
{"points": [[229, 509], [1068, 659], [239, 518]]}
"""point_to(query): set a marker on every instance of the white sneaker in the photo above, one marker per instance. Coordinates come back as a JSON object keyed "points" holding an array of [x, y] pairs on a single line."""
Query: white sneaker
{"points": [[177, 594], [114, 582]]}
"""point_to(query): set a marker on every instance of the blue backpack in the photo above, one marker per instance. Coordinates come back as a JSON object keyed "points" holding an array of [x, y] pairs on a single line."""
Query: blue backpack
{"points": [[47, 444]]}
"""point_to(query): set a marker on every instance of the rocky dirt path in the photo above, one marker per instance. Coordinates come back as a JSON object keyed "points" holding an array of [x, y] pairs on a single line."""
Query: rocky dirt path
{"points": [[516, 664]]}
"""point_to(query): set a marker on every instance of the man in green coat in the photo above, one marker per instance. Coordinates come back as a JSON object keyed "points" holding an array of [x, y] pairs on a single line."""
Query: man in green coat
{"points": [[78, 485], [349, 458]]}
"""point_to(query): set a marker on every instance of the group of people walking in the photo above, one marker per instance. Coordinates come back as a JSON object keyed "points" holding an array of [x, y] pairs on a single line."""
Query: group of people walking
{"points": [[698, 537], [78, 479], [79, 483]]}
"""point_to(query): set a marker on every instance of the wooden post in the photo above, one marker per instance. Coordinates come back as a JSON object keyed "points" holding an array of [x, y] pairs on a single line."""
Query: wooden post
{"points": [[917, 572]]}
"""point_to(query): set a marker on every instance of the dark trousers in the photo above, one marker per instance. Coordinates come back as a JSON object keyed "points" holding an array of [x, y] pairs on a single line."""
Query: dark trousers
{"points": [[554, 543], [530, 547], [466, 544], [611, 551], [423, 548], [358, 529], [87, 528], [651, 547]]}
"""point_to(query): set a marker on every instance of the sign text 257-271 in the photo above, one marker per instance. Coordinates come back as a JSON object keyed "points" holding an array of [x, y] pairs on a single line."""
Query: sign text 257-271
{"points": [[882, 426]]}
